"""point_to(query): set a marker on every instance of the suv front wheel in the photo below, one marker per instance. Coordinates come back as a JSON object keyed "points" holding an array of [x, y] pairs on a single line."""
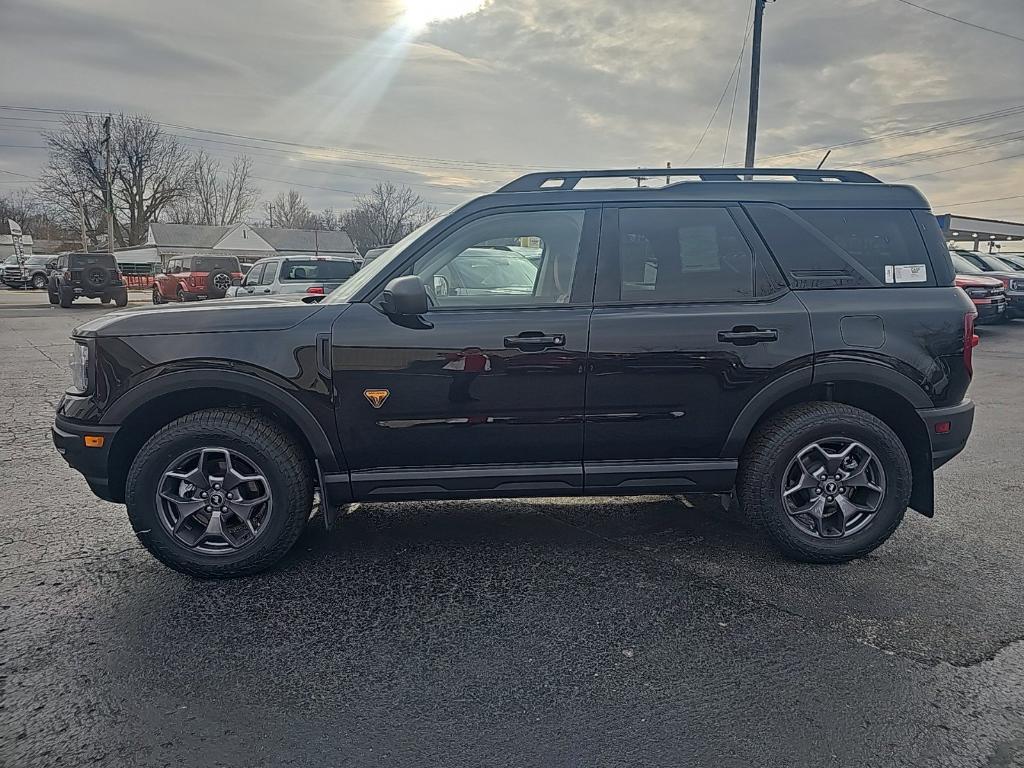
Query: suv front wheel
{"points": [[219, 493], [828, 482]]}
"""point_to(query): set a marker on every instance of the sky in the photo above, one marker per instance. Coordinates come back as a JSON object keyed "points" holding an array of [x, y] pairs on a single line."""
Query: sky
{"points": [[330, 96]]}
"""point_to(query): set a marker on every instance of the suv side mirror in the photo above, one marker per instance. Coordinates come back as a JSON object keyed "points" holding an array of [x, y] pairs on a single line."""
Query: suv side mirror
{"points": [[405, 296]]}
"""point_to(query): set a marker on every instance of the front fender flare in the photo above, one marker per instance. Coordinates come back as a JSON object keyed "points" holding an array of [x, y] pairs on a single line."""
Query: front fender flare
{"points": [[177, 381]]}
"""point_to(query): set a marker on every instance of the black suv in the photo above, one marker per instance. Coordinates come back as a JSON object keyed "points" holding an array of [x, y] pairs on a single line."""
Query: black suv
{"points": [[797, 340], [93, 275]]}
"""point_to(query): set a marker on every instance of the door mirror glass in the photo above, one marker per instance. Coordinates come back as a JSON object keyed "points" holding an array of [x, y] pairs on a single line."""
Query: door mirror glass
{"points": [[440, 285], [405, 296]]}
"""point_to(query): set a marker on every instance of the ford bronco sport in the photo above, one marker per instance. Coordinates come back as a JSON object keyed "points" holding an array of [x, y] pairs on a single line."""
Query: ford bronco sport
{"points": [[798, 340]]}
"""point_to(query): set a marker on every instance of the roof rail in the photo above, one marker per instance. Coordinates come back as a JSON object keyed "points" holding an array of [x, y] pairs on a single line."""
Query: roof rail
{"points": [[533, 182]]}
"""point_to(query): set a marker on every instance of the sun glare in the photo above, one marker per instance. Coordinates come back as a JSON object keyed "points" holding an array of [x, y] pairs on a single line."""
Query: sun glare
{"points": [[420, 13]]}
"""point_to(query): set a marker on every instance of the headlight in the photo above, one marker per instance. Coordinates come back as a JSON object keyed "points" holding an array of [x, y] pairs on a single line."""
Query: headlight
{"points": [[977, 293], [79, 368], [1017, 285]]}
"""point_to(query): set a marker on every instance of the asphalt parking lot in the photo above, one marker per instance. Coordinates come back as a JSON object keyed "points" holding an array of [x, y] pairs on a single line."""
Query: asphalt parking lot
{"points": [[647, 631]]}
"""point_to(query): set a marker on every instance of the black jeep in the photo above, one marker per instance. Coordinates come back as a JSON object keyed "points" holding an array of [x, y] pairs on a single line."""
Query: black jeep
{"points": [[93, 275], [798, 341]]}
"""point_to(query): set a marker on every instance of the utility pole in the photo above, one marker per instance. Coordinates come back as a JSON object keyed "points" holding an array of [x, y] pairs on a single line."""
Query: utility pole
{"points": [[108, 196], [755, 83], [270, 215], [81, 213]]}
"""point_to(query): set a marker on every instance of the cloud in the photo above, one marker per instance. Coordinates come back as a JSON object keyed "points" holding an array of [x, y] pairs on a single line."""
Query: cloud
{"points": [[528, 83]]}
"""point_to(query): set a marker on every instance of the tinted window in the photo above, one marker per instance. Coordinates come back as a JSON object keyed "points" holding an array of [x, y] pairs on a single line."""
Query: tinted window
{"points": [[476, 266], [880, 241], [682, 254], [210, 263], [79, 260], [317, 269]]}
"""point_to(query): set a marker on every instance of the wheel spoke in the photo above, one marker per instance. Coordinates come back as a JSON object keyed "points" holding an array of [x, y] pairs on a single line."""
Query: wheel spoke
{"points": [[195, 477], [233, 479], [243, 507], [815, 508]]}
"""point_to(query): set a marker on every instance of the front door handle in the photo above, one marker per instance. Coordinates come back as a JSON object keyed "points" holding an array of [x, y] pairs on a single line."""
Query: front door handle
{"points": [[534, 340], [745, 335]]}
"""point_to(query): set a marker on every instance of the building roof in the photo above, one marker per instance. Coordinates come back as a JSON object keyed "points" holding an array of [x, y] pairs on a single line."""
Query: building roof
{"points": [[184, 237]]}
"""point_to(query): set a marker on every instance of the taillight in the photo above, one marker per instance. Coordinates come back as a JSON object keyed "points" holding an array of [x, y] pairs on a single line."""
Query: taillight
{"points": [[192, 281], [67, 275], [316, 290], [971, 340]]}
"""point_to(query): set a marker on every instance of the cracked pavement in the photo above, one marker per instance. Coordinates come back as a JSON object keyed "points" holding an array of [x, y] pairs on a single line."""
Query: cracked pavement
{"points": [[592, 632]]}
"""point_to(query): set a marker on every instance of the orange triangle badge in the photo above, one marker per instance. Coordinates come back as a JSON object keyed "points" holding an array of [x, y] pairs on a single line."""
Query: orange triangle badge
{"points": [[376, 396]]}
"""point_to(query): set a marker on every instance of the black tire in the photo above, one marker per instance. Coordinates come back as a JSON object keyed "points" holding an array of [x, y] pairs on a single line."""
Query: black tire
{"points": [[157, 298], [52, 296], [66, 297], [777, 442], [39, 281], [283, 462], [181, 296], [104, 300], [213, 291], [121, 299]]}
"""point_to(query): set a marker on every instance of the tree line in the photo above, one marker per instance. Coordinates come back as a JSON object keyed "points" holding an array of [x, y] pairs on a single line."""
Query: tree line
{"points": [[156, 178]]}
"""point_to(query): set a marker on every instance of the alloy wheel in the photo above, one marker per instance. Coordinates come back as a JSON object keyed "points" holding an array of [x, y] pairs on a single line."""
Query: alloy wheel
{"points": [[833, 487], [221, 281], [214, 500]]}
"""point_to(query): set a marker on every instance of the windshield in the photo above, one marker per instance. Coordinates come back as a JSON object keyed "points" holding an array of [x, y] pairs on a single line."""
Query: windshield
{"points": [[963, 266], [1010, 263], [78, 260], [378, 266], [37, 261], [317, 269], [210, 263], [12, 259]]}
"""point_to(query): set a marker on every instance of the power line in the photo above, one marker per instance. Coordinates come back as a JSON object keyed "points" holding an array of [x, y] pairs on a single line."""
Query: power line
{"points": [[972, 202], [954, 123], [736, 85], [961, 21], [960, 167], [725, 90], [15, 173]]}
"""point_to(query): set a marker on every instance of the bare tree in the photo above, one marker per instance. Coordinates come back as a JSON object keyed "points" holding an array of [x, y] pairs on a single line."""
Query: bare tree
{"points": [[385, 215], [149, 170], [329, 220], [289, 210], [35, 216], [213, 197]]}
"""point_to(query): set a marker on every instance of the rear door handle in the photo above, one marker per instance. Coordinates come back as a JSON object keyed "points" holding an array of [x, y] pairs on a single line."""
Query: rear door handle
{"points": [[745, 335], [535, 340]]}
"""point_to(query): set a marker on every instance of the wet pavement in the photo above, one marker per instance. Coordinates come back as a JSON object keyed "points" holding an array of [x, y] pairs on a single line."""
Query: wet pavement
{"points": [[650, 631]]}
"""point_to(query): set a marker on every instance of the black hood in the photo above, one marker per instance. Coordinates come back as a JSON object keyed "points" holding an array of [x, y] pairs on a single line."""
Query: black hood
{"points": [[202, 317]]}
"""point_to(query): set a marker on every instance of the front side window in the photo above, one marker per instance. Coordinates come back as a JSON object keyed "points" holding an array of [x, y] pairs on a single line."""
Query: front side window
{"points": [[505, 259], [683, 255], [254, 275], [269, 273]]}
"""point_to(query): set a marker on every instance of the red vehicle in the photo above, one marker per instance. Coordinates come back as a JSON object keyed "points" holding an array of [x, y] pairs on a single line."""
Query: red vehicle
{"points": [[192, 278], [987, 293]]}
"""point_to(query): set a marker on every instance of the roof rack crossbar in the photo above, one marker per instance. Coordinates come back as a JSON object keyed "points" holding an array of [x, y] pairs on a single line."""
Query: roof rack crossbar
{"points": [[533, 182]]}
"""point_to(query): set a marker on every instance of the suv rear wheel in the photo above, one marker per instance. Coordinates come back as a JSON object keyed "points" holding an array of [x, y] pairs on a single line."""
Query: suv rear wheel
{"points": [[828, 482], [66, 297], [219, 493], [157, 297]]}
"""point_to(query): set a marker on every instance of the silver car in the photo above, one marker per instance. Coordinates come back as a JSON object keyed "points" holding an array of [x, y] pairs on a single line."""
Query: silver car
{"points": [[314, 275]]}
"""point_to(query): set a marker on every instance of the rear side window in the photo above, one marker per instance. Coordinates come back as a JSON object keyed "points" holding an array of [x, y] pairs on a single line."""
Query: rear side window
{"points": [[317, 269], [682, 255], [886, 242]]}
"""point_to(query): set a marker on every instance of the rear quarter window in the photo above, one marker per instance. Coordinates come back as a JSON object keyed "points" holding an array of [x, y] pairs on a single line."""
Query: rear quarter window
{"points": [[850, 248], [93, 260], [887, 243]]}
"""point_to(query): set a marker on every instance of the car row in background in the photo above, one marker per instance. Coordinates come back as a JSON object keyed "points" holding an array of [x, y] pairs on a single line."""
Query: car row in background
{"points": [[29, 271], [312, 275], [994, 282]]}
